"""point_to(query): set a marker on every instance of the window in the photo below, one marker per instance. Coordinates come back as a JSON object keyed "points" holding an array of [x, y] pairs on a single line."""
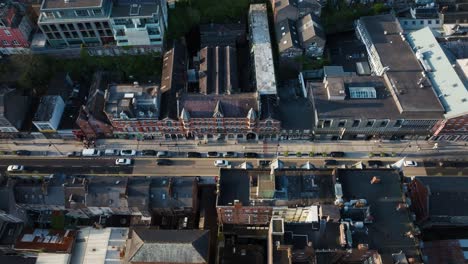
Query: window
{"points": [[268, 123], [169, 123], [356, 123], [60, 14], [5, 42], [398, 123], [97, 12], [429, 22], [405, 22], [53, 27], [384, 123], [413, 22], [49, 15], [327, 123], [370, 123], [15, 42], [7, 32], [421, 22], [81, 13], [342, 123], [437, 21]]}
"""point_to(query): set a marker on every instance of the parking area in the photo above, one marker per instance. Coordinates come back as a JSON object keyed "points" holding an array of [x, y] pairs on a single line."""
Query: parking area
{"points": [[346, 50]]}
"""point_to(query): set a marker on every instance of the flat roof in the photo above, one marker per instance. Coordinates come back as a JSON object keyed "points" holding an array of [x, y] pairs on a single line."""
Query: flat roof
{"points": [[387, 232], [62, 4], [234, 184], [56, 241], [405, 71], [99, 245], [144, 10], [382, 107], [134, 100], [261, 47], [448, 86]]}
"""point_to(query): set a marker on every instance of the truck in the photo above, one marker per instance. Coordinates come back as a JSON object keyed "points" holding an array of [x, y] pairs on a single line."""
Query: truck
{"points": [[91, 153]]}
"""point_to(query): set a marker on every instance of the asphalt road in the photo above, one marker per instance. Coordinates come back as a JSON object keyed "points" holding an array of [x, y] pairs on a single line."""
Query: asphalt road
{"points": [[181, 166]]}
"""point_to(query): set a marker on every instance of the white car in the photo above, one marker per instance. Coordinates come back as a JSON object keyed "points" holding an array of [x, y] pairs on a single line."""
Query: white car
{"points": [[127, 152], [123, 162], [221, 163], [15, 168], [410, 163]]}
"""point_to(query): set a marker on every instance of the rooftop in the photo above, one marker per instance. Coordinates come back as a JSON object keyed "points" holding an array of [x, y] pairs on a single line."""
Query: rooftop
{"points": [[58, 241], [285, 187], [387, 233], [405, 73], [218, 70], [125, 9], [10, 15], [172, 192], [261, 46], [132, 102], [308, 27], [221, 34], [443, 191], [230, 106], [70, 4], [448, 86], [286, 35], [47, 107], [383, 106], [107, 192], [168, 246], [99, 245]]}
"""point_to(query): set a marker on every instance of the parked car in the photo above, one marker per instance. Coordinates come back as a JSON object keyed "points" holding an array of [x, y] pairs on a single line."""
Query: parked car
{"points": [[264, 163], [337, 154], [250, 155], [111, 152], [330, 162], [193, 155], [91, 153], [375, 163], [213, 154], [410, 163], [23, 152], [164, 162], [123, 162], [230, 154], [15, 168], [127, 152], [74, 154], [221, 163], [163, 154], [148, 152]]}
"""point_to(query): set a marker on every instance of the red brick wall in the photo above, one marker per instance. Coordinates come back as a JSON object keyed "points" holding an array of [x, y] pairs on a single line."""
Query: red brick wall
{"points": [[419, 195]]}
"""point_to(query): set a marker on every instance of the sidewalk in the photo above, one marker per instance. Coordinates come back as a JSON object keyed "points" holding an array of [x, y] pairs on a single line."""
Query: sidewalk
{"points": [[353, 149]]}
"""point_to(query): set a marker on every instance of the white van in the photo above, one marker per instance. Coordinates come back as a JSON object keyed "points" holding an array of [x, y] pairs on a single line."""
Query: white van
{"points": [[111, 152], [91, 153]]}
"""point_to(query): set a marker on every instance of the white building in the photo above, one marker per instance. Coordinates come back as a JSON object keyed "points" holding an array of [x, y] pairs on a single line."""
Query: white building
{"points": [[49, 113], [137, 24], [264, 69]]}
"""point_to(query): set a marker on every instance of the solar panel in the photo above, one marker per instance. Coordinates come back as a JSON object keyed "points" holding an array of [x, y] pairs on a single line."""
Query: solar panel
{"points": [[362, 92]]}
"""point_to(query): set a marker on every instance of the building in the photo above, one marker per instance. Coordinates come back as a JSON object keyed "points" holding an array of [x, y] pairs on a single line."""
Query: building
{"points": [[445, 251], [92, 120], [264, 76], [253, 197], [421, 16], [449, 87], [13, 110], [139, 23], [430, 197], [15, 29], [349, 106], [218, 70], [406, 78], [295, 9], [76, 23], [212, 34], [132, 109], [103, 245], [10, 228], [49, 113], [167, 246]]}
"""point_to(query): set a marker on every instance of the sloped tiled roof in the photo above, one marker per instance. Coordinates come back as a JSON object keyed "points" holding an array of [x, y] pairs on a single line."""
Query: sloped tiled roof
{"points": [[168, 246]]}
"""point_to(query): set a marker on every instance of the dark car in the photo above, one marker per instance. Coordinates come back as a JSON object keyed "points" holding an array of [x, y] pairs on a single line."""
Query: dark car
{"points": [[148, 152], [164, 162], [193, 155], [330, 162], [250, 155], [375, 163], [337, 154], [230, 154], [74, 154], [213, 154], [263, 163], [23, 152]]}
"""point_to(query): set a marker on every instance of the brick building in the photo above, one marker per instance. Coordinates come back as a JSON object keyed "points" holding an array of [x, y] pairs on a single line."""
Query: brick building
{"points": [[15, 29]]}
